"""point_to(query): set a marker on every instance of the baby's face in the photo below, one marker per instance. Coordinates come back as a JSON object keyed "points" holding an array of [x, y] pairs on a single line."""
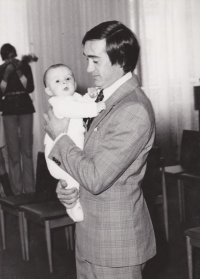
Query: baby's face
{"points": [[60, 82]]}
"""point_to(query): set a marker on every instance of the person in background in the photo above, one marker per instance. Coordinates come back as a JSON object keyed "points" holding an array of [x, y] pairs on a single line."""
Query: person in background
{"points": [[4, 179], [60, 85], [116, 237], [16, 82]]}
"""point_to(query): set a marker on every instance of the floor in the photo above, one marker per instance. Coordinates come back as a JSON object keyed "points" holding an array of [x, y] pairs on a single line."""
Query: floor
{"points": [[169, 263]]}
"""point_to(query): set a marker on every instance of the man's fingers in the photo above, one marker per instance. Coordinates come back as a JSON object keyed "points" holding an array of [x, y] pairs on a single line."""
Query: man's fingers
{"points": [[62, 190], [45, 118], [68, 197], [63, 183], [45, 121], [68, 206]]}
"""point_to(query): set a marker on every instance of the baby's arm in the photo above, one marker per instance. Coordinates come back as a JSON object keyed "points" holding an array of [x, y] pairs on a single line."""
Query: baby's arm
{"points": [[91, 95], [70, 107]]}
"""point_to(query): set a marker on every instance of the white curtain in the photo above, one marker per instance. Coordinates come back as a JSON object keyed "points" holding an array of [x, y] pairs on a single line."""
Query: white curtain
{"points": [[13, 25], [168, 32], [170, 56]]}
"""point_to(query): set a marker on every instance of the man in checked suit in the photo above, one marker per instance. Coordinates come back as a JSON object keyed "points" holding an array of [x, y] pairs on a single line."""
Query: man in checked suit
{"points": [[116, 238]]}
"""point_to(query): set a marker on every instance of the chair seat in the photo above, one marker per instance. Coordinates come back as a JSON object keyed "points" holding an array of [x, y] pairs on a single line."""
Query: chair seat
{"points": [[15, 201], [193, 233], [190, 176], [174, 170], [45, 210], [50, 214]]}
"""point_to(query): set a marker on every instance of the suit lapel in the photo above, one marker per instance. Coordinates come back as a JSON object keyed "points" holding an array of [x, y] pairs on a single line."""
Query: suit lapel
{"points": [[124, 90]]}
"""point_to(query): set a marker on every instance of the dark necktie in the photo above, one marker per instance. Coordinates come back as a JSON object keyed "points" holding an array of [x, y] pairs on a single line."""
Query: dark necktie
{"points": [[98, 99]]}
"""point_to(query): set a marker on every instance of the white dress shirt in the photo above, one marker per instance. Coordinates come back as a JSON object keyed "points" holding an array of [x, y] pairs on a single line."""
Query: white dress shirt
{"points": [[107, 92]]}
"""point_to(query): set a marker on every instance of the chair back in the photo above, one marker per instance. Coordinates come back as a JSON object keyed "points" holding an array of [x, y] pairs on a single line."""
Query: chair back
{"points": [[190, 151], [45, 183]]}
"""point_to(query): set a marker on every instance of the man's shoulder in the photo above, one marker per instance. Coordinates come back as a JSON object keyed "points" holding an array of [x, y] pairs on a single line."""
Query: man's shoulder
{"points": [[137, 101]]}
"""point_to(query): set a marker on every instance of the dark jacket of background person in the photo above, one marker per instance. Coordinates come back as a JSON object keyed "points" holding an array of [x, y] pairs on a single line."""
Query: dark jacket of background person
{"points": [[20, 103]]}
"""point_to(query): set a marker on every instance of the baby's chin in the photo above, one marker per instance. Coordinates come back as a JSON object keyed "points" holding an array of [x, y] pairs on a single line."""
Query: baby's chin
{"points": [[67, 93]]}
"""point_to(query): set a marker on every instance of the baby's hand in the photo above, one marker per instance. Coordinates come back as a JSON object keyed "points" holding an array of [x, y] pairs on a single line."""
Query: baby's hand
{"points": [[92, 92], [101, 106]]}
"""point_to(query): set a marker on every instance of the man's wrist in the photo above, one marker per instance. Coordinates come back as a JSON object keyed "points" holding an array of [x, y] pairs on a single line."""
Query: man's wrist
{"points": [[5, 78]]}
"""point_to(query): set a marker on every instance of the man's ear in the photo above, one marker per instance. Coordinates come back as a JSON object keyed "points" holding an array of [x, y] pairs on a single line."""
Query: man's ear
{"points": [[48, 91]]}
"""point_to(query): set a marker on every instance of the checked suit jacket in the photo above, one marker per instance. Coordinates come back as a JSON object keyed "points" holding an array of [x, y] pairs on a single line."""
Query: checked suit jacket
{"points": [[117, 229]]}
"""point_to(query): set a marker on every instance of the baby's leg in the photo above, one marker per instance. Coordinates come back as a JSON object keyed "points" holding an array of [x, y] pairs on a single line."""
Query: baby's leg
{"points": [[75, 213]]}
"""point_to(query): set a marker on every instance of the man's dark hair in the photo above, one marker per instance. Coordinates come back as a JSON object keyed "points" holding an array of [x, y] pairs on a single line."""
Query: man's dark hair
{"points": [[53, 67], [6, 49], [121, 44]]}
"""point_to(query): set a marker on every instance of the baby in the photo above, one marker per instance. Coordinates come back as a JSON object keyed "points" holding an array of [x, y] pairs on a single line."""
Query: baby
{"points": [[60, 84]]}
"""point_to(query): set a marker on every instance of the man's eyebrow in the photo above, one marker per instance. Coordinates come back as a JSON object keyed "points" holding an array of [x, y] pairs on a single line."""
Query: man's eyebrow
{"points": [[91, 56]]}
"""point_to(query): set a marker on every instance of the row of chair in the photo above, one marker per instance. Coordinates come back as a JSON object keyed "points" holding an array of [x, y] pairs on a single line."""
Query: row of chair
{"points": [[188, 167], [41, 207], [154, 186]]}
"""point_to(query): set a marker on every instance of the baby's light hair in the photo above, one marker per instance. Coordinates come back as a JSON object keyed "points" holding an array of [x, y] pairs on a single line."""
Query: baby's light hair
{"points": [[54, 66]]}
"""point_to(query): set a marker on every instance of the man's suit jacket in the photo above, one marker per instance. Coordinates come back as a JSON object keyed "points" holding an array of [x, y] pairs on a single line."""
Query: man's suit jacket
{"points": [[117, 230]]}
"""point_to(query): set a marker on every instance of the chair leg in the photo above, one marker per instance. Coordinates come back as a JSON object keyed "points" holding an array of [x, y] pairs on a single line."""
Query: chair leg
{"points": [[48, 241], [181, 198], [69, 237], [25, 233], [189, 257], [3, 228], [21, 231], [165, 205]]}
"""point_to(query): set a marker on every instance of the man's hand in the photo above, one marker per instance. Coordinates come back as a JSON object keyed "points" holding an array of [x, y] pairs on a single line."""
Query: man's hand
{"points": [[17, 64], [66, 196], [53, 125]]}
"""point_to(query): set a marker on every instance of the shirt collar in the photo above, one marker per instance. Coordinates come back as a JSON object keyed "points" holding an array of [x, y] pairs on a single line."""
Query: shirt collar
{"points": [[111, 89]]}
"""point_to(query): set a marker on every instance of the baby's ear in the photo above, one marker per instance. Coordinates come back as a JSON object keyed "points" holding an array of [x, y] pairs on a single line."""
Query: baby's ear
{"points": [[75, 86], [48, 91]]}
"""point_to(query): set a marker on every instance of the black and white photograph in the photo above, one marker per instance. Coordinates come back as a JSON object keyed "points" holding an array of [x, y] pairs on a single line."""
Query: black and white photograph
{"points": [[99, 139]]}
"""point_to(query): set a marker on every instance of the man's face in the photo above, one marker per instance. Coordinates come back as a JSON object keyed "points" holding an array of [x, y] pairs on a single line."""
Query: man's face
{"points": [[60, 82], [11, 56], [99, 65]]}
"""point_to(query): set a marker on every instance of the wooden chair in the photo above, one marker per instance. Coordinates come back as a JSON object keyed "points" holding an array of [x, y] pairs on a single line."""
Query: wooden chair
{"points": [[154, 185], [192, 239], [50, 215], [45, 191], [189, 159]]}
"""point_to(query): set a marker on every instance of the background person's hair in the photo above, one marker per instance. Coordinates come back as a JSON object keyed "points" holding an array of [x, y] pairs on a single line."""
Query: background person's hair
{"points": [[6, 49], [53, 67], [121, 44]]}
